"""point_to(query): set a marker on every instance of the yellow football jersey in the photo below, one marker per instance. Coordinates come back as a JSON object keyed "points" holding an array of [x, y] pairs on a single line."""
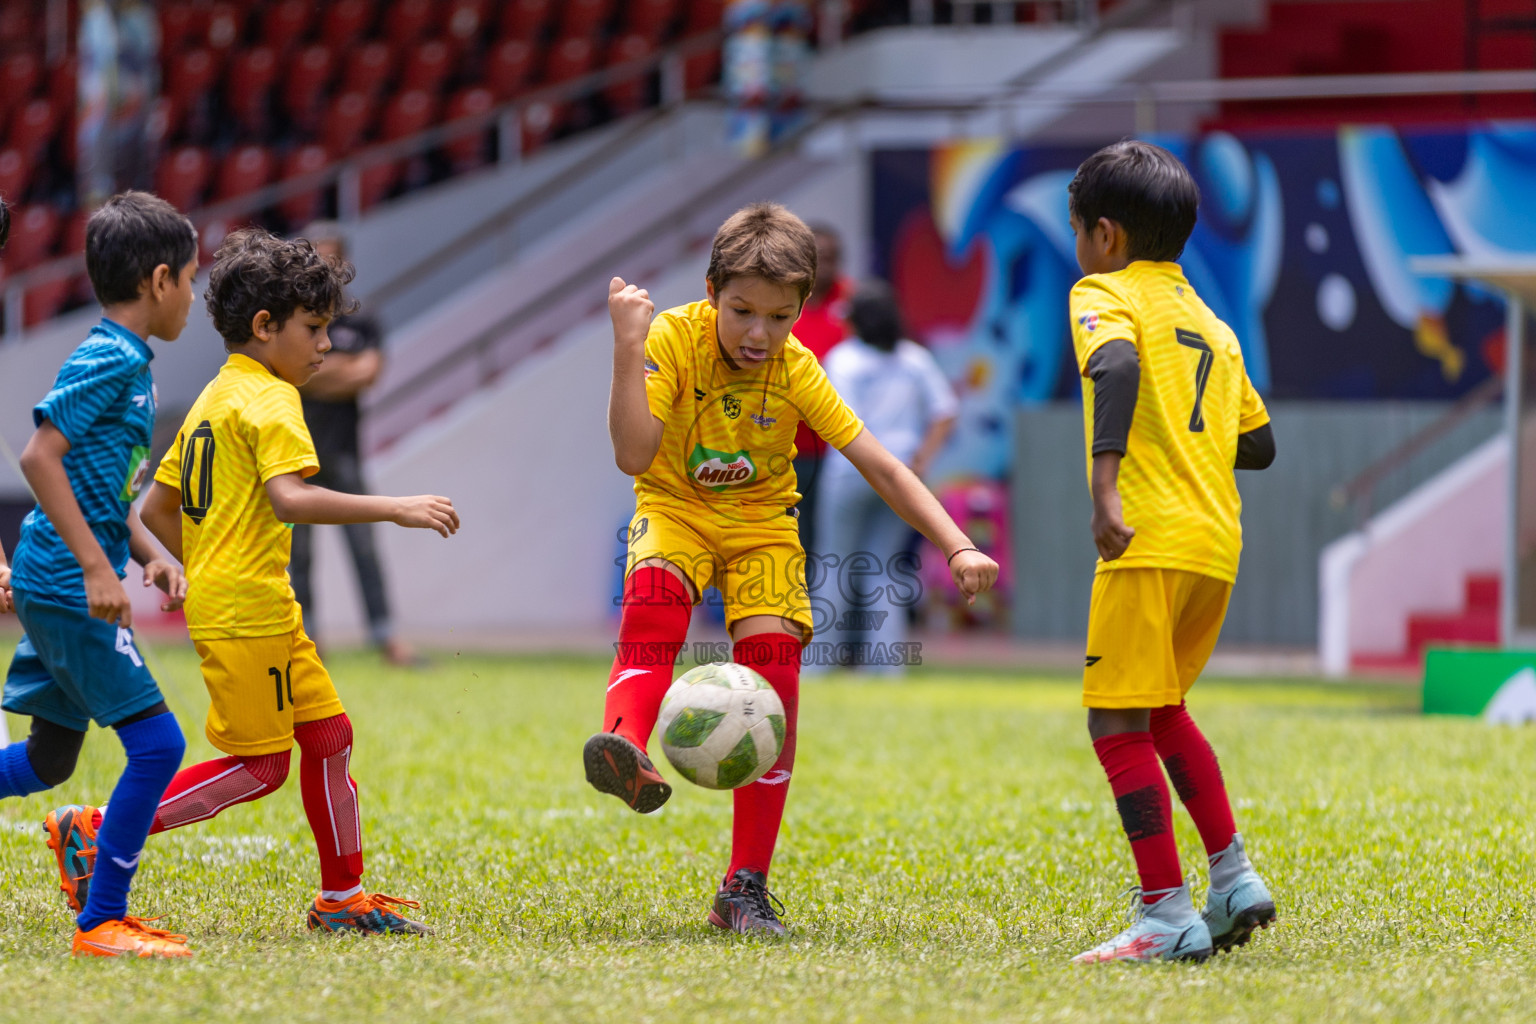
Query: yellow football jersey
{"points": [[244, 429], [728, 441], [1177, 483]]}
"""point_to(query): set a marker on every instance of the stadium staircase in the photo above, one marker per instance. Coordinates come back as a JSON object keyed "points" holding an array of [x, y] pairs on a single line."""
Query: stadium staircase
{"points": [[1476, 624]]}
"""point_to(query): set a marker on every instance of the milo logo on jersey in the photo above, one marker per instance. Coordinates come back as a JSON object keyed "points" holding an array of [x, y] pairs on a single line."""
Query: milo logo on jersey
{"points": [[719, 470]]}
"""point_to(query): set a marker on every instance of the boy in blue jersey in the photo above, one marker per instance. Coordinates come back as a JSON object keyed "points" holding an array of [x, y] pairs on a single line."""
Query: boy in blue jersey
{"points": [[86, 463]]}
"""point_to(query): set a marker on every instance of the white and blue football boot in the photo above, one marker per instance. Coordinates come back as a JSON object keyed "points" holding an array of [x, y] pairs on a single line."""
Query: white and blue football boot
{"points": [[1237, 903], [1166, 930]]}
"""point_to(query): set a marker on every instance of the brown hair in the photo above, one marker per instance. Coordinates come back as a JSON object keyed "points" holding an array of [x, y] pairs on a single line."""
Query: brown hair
{"points": [[254, 270], [764, 240]]}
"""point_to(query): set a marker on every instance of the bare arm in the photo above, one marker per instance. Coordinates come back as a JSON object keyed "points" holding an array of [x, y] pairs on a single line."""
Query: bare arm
{"points": [[933, 443], [344, 375], [1110, 534], [159, 570], [5, 583], [42, 463], [295, 501], [973, 571], [633, 429], [161, 516]]}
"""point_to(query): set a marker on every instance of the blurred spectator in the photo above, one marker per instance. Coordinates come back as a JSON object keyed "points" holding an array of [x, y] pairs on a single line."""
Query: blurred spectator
{"points": [[331, 410], [819, 328], [897, 388]]}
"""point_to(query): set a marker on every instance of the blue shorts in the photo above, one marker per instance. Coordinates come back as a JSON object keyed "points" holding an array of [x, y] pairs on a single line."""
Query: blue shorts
{"points": [[71, 668]]}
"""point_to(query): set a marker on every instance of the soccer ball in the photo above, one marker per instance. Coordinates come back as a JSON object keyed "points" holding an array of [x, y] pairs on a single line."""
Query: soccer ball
{"points": [[722, 726]]}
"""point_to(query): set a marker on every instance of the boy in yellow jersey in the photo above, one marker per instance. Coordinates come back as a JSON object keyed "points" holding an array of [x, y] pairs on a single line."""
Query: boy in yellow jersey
{"points": [[1169, 414], [223, 501], [702, 413]]}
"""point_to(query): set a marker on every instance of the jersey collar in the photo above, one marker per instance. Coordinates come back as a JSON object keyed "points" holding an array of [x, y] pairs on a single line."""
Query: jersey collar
{"points": [[121, 333]]}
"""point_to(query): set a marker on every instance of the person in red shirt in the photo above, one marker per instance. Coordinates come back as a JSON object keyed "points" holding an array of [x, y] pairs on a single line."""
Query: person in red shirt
{"points": [[820, 327]]}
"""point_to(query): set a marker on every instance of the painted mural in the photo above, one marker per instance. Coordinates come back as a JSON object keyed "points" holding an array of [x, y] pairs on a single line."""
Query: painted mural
{"points": [[1303, 246]]}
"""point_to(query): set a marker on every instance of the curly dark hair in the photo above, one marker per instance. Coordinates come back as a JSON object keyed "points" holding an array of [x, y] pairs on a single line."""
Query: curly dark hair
{"points": [[1143, 188], [5, 223], [254, 270], [128, 237]]}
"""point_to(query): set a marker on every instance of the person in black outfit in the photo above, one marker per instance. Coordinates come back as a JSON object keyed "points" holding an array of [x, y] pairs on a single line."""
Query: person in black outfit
{"points": [[331, 411]]}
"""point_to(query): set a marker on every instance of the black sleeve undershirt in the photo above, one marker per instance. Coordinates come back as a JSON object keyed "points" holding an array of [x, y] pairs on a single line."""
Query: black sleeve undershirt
{"points": [[1115, 371], [1256, 449]]}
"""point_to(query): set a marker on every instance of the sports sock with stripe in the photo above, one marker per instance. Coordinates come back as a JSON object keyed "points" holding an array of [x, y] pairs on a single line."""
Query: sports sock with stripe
{"points": [[760, 806], [154, 747], [200, 791], [330, 799], [1146, 811], [652, 631], [1196, 775]]}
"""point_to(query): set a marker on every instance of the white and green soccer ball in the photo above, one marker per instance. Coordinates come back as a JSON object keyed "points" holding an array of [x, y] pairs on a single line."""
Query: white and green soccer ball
{"points": [[722, 726]]}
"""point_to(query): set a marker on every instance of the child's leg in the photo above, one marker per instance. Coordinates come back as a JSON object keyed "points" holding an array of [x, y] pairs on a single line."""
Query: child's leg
{"points": [[154, 745], [202, 790], [760, 806], [1196, 775], [330, 803], [45, 759], [1141, 796], [652, 630]]}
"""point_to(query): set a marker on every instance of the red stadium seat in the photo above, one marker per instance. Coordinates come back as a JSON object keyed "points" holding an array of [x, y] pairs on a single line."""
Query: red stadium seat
{"points": [[408, 22], [19, 78], [251, 74], [44, 301], [190, 76], [306, 205], [701, 69], [368, 68], [650, 18], [427, 66], [63, 83], [16, 27], [182, 25], [525, 19], [571, 58], [463, 23], [345, 22], [304, 84], [32, 129], [406, 114], [72, 239], [285, 24], [15, 175], [346, 122], [628, 96], [704, 15], [244, 170], [226, 26], [182, 177], [33, 231], [584, 17], [469, 151], [509, 68]]}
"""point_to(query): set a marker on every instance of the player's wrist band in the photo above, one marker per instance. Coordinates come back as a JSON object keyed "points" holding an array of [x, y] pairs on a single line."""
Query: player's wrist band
{"points": [[951, 559]]}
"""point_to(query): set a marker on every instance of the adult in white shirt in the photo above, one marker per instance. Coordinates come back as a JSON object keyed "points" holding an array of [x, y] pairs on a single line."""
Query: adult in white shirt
{"points": [[867, 573]]}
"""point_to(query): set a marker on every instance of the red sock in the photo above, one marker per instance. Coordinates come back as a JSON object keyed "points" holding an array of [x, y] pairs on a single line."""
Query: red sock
{"points": [[1196, 776], [200, 791], [330, 799], [760, 806], [1146, 812], [651, 633]]}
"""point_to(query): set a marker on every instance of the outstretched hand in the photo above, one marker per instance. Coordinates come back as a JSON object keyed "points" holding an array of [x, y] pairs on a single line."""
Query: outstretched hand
{"points": [[170, 579], [427, 512], [6, 604], [974, 573]]}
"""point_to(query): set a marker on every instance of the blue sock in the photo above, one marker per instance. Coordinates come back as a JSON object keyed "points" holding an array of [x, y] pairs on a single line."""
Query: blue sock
{"points": [[16, 775], [154, 747]]}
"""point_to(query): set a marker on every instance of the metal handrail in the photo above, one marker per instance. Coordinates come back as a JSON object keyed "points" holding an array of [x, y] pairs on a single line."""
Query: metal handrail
{"points": [[346, 174], [1360, 489]]}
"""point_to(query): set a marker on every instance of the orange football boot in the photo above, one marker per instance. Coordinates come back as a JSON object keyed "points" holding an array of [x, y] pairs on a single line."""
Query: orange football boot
{"points": [[131, 936], [369, 913], [72, 838]]}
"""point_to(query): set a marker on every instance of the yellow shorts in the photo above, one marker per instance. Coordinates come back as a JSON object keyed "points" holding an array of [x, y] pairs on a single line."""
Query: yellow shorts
{"points": [[258, 687], [1150, 633], [759, 567]]}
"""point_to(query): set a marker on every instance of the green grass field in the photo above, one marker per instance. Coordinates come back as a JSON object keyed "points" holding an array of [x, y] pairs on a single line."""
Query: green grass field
{"points": [[950, 843]]}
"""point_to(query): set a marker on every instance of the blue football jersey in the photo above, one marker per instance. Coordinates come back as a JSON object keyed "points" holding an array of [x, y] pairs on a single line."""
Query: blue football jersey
{"points": [[103, 402]]}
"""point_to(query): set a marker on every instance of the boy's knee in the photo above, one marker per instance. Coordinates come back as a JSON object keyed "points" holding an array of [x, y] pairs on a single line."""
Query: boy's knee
{"points": [[53, 750], [270, 769]]}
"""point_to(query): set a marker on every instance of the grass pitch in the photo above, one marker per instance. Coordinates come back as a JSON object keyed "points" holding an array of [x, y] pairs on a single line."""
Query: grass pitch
{"points": [[950, 843]]}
